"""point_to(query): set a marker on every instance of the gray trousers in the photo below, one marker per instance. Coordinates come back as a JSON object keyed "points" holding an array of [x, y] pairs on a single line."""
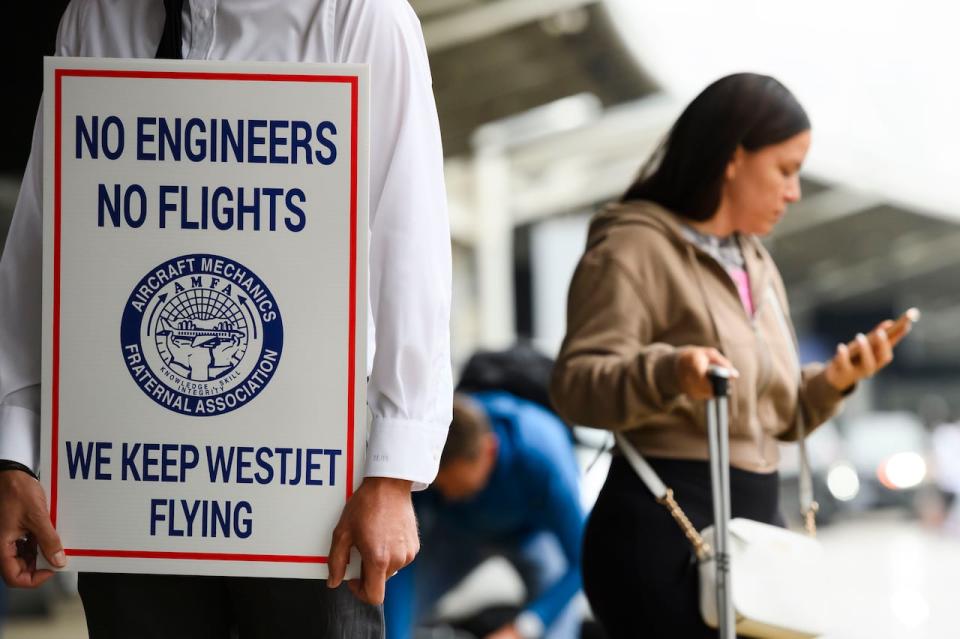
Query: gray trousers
{"points": [[121, 606]]}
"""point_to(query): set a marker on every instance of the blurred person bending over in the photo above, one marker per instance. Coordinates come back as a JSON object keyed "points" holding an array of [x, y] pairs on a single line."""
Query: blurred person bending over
{"points": [[674, 278], [508, 486], [410, 381]]}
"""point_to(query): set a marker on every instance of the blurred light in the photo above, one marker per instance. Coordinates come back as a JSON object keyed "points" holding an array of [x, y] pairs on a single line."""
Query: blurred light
{"points": [[910, 607], [843, 482], [902, 470]]}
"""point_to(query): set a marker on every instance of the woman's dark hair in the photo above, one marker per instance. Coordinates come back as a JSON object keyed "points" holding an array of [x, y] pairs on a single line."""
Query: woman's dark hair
{"points": [[685, 174]]}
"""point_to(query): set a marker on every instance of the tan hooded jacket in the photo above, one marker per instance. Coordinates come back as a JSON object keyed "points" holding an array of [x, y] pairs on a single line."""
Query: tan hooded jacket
{"points": [[640, 291]]}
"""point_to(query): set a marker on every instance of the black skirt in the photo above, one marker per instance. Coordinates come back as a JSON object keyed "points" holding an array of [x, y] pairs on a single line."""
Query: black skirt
{"points": [[639, 570]]}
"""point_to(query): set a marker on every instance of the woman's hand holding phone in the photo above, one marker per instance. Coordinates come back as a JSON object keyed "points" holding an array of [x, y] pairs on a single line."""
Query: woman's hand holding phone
{"points": [[867, 354]]}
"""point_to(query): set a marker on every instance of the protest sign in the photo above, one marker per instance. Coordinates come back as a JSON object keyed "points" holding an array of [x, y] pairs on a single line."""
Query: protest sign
{"points": [[205, 234]]}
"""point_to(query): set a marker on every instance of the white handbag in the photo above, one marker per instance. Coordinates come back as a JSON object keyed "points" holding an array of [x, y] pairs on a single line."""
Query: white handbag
{"points": [[776, 581], [771, 579]]}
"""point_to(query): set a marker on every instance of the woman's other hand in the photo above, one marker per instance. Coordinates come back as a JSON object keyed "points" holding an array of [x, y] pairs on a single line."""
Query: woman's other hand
{"points": [[693, 362], [862, 357]]}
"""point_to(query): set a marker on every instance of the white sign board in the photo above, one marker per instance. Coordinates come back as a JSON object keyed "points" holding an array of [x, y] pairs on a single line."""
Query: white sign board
{"points": [[204, 312]]}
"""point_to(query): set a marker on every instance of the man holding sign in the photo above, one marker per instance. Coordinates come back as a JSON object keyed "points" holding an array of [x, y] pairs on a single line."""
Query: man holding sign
{"points": [[203, 313]]}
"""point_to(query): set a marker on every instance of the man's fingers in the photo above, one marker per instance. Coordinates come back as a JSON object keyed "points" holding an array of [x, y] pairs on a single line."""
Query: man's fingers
{"points": [[29, 513], [339, 557], [40, 577], [10, 566], [48, 540], [30, 578], [380, 521], [368, 589], [356, 587], [17, 573], [374, 576], [24, 520], [411, 555]]}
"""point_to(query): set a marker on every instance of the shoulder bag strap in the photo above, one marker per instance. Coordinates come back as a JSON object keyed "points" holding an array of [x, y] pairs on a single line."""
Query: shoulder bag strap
{"points": [[808, 507], [663, 495]]}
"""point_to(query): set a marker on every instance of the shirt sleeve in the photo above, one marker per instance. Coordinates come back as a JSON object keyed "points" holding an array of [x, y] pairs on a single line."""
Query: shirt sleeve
{"points": [[21, 270], [410, 390], [21, 275]]}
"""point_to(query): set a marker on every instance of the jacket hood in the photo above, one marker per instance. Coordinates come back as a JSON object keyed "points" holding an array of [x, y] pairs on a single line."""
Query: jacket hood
{"points": [[660, 219], [634, 212]]}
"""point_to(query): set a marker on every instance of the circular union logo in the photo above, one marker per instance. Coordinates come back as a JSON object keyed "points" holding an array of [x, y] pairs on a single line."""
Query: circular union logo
{"points": [[201, 334]]}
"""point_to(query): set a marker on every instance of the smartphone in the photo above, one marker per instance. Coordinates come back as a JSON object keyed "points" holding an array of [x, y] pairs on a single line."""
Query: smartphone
{"points": [[895, 333]]}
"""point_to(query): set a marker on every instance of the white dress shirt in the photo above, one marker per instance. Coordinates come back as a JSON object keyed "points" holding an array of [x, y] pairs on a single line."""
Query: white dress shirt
{"points": [[410, 386]]}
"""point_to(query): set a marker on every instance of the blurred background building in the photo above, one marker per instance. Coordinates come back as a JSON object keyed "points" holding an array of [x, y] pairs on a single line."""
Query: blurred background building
{"points": [[549, 107]]}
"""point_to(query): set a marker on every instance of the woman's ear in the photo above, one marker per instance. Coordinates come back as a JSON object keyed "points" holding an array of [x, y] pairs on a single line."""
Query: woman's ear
{"points": [[734, 164]]}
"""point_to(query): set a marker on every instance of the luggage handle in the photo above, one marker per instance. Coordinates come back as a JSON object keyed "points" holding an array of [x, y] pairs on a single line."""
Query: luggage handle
{"points": [[718, 438]]}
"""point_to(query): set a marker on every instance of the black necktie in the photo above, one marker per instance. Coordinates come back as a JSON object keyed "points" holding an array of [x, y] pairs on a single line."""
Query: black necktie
{"points": [[170, 41]]}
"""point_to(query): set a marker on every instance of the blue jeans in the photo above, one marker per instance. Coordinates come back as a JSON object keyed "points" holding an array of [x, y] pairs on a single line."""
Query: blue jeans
{"points": [[121, 606], [446, 557]]}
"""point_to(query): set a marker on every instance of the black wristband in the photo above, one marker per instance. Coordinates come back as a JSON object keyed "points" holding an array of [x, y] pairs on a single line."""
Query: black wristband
{"points": [[9, 464]]}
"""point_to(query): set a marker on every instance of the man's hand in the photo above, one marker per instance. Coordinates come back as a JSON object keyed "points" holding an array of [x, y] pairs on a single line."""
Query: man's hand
{"points": [[379, 521], [25, 521]]}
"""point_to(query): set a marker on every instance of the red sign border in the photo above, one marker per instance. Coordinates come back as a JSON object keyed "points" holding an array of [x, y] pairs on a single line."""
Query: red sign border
{"points": [[59, 74]]}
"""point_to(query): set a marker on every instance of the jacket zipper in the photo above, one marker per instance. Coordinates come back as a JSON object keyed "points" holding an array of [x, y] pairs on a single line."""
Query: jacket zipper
{"points": [[765, 358], [765, 361], [766, 366]]}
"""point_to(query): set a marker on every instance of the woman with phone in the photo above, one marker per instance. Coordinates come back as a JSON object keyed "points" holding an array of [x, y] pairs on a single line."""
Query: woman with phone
{"points": [[674, 279]]}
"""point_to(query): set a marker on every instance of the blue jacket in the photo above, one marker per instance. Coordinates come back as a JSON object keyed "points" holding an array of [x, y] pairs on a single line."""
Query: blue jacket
{"points": [[534, 487]]}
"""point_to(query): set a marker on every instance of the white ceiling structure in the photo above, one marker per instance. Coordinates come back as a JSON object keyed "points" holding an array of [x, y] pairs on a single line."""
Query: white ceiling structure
{"points": [[878, 78]]}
